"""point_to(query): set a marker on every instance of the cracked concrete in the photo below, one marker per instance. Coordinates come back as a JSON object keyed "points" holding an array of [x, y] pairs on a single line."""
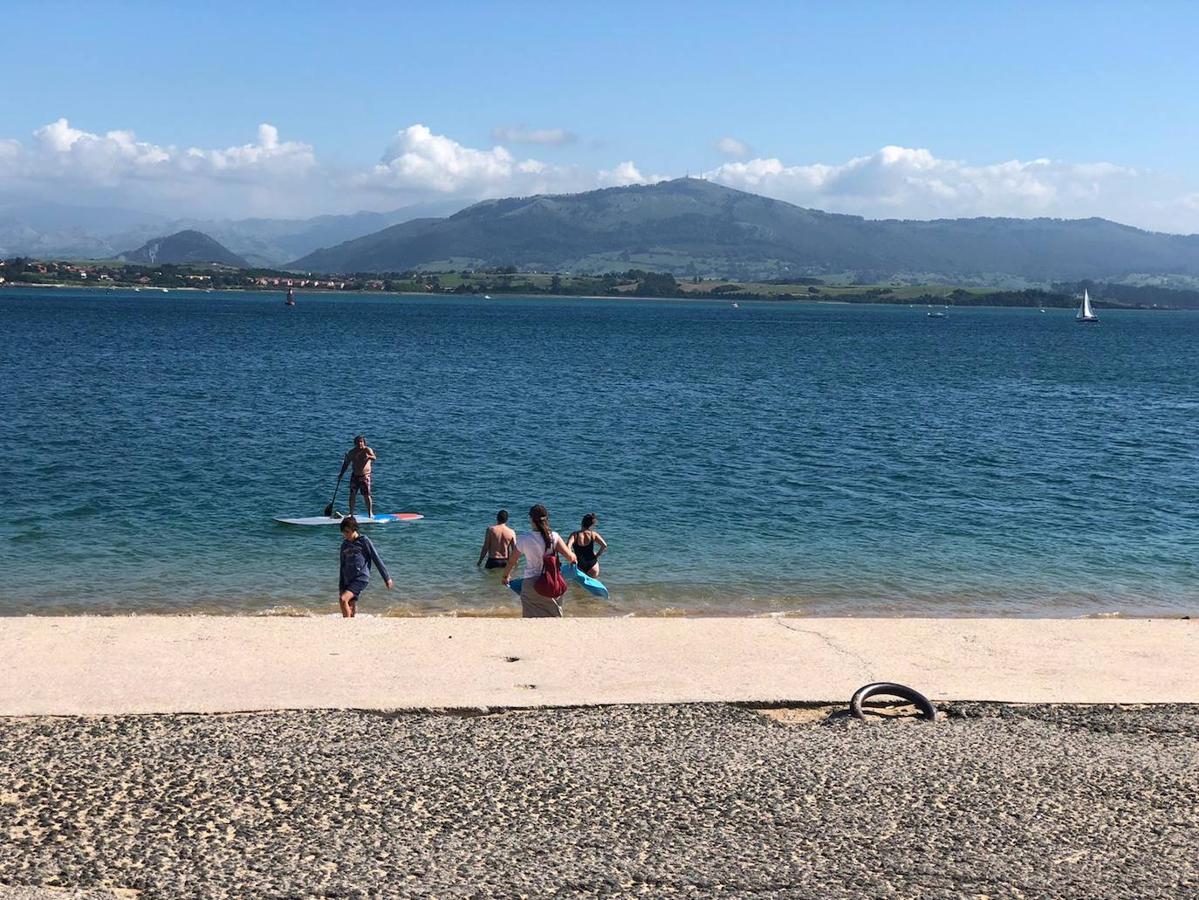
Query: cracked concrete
{"points": [[866, 674]]}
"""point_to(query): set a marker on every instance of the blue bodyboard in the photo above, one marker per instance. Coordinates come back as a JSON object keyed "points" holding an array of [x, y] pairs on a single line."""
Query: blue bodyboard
{"points": [[593, 586]]}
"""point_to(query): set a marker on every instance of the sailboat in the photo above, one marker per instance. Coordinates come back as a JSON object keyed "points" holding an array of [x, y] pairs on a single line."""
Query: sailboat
{"points": [[291, 297], [1085, 314]]}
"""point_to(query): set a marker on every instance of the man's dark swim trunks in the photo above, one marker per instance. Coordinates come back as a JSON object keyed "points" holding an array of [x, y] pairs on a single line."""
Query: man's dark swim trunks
{"points": [[494, 563], [361, 483]]}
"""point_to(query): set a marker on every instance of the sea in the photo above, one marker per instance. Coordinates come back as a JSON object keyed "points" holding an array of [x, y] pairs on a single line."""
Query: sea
{"points": [[776, 459]]}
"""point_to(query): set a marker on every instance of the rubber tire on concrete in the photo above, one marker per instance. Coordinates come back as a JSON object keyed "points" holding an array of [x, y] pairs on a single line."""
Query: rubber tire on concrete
{"points": [[890, 689]]}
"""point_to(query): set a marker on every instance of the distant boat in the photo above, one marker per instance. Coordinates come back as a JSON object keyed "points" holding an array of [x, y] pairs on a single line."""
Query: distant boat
{"points": [[487, 296], [937, 314], [291, 298], [1085, 313], [164, 290], [736, 305]]}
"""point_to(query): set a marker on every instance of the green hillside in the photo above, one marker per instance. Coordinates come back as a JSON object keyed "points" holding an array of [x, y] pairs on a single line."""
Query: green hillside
{"points": [[697, 228]]}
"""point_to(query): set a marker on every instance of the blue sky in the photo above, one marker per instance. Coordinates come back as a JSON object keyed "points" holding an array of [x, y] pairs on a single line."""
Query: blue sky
{"points": [[999, 108]]}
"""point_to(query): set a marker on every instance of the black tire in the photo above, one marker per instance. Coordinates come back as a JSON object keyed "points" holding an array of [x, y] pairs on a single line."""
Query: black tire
{"points": [[890, 689]]}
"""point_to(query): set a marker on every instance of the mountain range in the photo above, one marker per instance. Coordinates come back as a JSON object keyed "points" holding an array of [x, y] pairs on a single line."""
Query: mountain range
{"points": [[692, 227], [58, 231]]}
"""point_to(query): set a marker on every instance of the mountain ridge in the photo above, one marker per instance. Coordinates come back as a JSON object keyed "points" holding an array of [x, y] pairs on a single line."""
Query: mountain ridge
{"points": [[83, 232], [694, 227]]}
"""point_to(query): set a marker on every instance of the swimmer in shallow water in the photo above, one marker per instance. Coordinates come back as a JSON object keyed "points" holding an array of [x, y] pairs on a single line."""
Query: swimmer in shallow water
{"points": [[584, 541], [498, 541]]}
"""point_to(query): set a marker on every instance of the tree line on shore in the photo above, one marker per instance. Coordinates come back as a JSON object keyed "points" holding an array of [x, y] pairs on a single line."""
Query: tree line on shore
{"points": [[631, 282]]}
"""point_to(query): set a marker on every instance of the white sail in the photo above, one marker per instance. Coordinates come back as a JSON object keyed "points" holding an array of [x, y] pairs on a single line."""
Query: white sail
{"points": [[1084, 311]]}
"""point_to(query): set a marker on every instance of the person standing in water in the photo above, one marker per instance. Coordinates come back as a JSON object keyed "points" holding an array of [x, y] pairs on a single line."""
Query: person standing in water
{"points": [[584, 541], [358, 554], [498, 541], [359, 460], [534, 545]]}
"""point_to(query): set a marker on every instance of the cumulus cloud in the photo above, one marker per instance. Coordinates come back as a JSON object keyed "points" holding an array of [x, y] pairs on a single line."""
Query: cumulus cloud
{"points": [[419, 161], [62, 150], [273, 176], [116, 165], [622, 174], [733, 148], [522, 134], [913, 183], [418, 158]]}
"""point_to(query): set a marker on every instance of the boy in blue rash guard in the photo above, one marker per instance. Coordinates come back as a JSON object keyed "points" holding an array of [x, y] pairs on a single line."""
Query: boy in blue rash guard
{"points": [[358, 554]]}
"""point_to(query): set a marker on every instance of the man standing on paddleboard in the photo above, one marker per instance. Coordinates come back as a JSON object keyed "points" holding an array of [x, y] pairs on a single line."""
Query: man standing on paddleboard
{"points": [[360, 458]]}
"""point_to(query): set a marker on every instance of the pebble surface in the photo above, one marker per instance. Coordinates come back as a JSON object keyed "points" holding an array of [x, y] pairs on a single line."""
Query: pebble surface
{"points": [[693, 801]]}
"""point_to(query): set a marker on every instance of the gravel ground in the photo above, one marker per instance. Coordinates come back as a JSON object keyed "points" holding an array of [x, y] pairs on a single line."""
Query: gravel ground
{"points": [[663, 800]]}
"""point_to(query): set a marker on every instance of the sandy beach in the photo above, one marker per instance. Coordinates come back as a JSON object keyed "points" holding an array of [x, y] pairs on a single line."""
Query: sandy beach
{"points": [[654, 800], [618, 757], [120, 665]]}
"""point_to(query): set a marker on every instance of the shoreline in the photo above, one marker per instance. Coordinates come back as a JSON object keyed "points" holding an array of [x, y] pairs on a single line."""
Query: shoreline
{"points": [[546, 296], [204, 664]]}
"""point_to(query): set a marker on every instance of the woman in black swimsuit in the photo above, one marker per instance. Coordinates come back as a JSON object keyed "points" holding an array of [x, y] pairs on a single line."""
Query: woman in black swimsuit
{"points": [[583, 542]]}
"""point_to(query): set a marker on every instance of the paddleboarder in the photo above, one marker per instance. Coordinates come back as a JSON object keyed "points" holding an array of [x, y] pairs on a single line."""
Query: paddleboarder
{"points": [[359, 460]]}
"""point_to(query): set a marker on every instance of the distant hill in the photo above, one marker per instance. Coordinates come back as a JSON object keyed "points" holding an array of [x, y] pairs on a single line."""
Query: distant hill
{"points": [[184, 247], [51, 230], [694, 227]]}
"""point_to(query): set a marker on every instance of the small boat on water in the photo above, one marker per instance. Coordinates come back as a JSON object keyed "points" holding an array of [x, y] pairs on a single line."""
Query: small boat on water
{"points": [[291, 297], [1085, 313], [487, 296], [937, 314], [736, 305]]}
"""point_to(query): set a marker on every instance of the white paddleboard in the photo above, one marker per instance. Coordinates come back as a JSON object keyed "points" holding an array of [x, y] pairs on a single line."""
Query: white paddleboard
{"points": [[376, 519]]}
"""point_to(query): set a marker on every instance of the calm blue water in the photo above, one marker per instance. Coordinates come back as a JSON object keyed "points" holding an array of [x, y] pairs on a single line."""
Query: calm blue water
{"points": [[817, 459]]}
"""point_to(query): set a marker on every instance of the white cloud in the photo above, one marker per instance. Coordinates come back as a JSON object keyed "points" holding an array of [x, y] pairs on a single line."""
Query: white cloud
{"points": [[734, 149], [60, 150], [421, 162], [522, 134], [419, 159], [622, 174], [271, 176], [913, 183], [64, 162]]}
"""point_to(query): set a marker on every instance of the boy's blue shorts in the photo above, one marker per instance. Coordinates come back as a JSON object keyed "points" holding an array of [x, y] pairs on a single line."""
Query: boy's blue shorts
{"points": [[354, 587]]}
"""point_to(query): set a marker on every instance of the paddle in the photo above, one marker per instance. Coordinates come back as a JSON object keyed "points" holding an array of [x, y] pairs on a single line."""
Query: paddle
{"points": [[329, 508]]}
